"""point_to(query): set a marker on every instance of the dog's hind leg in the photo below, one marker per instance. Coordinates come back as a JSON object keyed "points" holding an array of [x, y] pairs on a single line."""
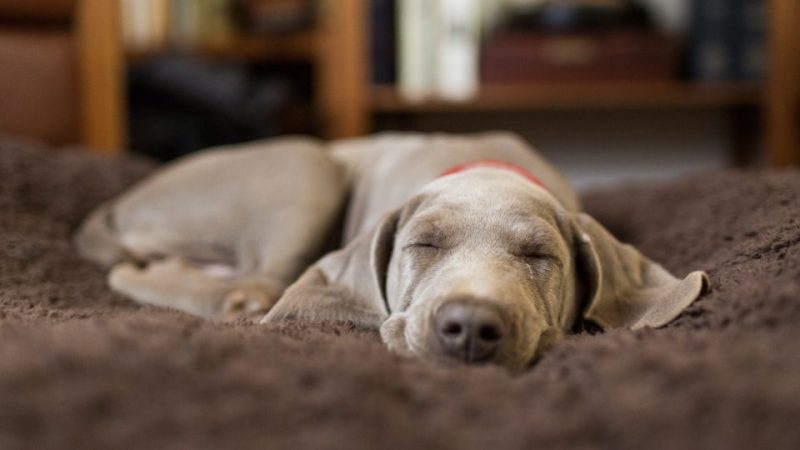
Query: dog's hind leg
{"points": [[213, 292]]}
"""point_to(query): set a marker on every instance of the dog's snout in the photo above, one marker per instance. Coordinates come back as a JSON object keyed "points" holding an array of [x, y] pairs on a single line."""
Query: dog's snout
{"points": [[469, 331]]}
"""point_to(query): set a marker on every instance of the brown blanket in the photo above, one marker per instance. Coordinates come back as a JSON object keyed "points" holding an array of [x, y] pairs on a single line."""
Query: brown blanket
{"points": [[83, 368]]}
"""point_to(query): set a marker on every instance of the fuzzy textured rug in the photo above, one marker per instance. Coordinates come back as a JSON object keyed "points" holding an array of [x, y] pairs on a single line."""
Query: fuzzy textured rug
{"points": [[83, 368]]}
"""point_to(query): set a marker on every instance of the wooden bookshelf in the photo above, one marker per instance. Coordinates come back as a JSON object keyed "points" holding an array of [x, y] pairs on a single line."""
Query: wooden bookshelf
{"points": [[346, 102], [579, 96]]}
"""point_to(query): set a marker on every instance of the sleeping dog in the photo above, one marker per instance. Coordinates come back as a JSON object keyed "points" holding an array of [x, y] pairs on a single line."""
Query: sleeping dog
{"points": [[469, 248]]}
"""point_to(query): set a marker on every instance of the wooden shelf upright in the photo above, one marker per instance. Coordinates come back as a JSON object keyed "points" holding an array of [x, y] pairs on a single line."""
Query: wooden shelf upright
{"points": [[101, 74], [782, 102]]}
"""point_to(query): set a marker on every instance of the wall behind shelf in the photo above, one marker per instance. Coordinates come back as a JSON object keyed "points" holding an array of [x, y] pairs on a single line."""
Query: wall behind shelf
{"points": [[595, 148]]}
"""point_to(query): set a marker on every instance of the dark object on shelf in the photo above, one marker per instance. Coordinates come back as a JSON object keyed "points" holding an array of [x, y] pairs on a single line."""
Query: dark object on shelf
{"points": [[179, 104], [727, 40], [749, 42], [383, 41], [577, 15], [275, 16], [609, 56]]}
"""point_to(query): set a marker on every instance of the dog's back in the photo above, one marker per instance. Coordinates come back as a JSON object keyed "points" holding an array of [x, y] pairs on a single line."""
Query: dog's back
{"points": [[385, 170]]}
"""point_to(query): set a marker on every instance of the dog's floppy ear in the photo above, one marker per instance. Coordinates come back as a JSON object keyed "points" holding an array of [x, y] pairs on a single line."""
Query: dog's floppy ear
{"points": [[345, 286], [622, 287]]}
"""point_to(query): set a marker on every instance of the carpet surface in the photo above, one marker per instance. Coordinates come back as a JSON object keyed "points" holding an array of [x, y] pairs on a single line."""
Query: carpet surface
{"points": [[81, 367]]}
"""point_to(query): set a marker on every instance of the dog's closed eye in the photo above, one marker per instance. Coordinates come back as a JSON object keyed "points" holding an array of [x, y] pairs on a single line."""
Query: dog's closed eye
{"points": [[534, 251], [423, 246], [424, 250], [428, 239], [534, 255]]}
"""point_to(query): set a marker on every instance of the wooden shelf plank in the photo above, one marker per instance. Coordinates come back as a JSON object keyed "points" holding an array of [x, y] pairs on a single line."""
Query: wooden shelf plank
{"points": [[295, 46], [575, 96]]}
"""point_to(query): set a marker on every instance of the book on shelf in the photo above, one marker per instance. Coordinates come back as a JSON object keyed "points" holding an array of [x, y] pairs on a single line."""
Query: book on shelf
{"points": [[438, 44], [157, 24], [620, 55], [215, 22], [144, 23], [184, 23], [749, 43], [276, 16], [457, 48], [727, 40], [415, 52], [383, 42]]}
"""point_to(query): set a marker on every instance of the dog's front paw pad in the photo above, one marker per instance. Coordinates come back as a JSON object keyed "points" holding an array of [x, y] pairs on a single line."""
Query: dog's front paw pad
{"points": [[244, 302]]}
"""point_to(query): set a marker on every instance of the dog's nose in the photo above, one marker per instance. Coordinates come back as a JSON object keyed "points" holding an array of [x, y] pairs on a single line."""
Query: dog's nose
{"points": [[469, 331]]}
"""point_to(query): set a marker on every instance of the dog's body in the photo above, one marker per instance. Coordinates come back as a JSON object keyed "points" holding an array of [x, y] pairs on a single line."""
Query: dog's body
{"points": [[478, 265]]}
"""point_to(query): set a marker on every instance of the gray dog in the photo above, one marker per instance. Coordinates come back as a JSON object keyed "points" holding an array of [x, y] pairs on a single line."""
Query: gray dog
{"points": [[469, 248]]}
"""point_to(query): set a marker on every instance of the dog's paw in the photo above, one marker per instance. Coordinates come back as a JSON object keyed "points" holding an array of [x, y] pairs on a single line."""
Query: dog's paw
{"points": [[122, 275], [247, 301]]}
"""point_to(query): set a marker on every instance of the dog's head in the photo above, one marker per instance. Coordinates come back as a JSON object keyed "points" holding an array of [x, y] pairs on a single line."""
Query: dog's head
{"points": [[484, 266]]}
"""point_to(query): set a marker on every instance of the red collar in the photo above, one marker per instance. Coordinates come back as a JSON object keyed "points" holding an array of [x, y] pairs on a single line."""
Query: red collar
{"points": [[492, 164]]}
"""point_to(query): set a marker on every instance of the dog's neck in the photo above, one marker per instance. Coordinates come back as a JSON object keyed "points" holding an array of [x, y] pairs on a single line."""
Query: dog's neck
{"points": [[493, 164]]}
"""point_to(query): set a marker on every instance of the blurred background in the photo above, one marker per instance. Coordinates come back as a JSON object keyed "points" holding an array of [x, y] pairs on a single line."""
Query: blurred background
{"points": [[607, 89]]}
